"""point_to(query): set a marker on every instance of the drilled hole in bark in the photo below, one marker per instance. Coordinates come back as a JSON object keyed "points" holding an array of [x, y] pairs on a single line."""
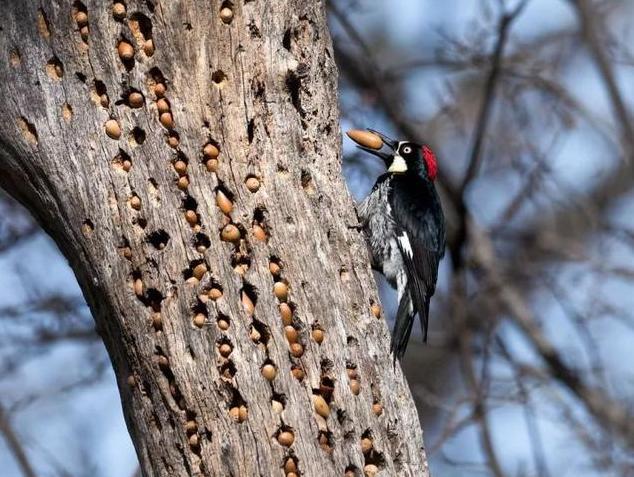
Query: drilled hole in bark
{"points": [[141, 222], [122, 161], [42, 24], [100, 94], [119, 10], [223, 321], [286, 39], [28, 130], [250, 130], [278, 402], [238, 411], [150, 5], [125, 50], [87, 228], [80, 15], [275, 266], [153, 299], [352, 341], [219, 78], [224, 199], [351, 471], [80, 76], [240, 262], [226, 12], [260, 332], [326, 388], [298, 372], [55, 68], [200, 314], [249, 298], [326, 441], [227, 370], [201, 242], [141, 27], [137, 136], [158, 239], [224, 347], [293, 85], [67, 112]]}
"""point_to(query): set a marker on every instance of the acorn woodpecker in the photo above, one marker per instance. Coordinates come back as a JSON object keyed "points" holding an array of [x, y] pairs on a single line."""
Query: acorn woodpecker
{"points": [[404, 227]]}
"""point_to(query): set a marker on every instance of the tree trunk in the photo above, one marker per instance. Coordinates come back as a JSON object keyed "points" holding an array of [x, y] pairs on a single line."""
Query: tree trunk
{"points": [[112, 123]]}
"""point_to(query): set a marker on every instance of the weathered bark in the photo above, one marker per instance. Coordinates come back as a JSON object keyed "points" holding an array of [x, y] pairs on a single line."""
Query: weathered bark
{"points": [[261, 86]]}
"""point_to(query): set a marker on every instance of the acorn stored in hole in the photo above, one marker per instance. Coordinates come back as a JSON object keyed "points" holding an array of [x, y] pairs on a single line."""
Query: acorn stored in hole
{"points": [[166, 120], [215, 293], [173, 141], [248, 304], [280, 290], [138, 287], [148, 47], [223, 202], [321, 406], [259, 233], [370, 470], [252, 183], [318, 335], [199, 271], [290, 466], [212, 165], [113, 130], [199, 320], [269, 372], [180, 167], [297, 350], [291, 334], [223, 324], [277, 406], [125, 50], [366, 445], [230, 233], [210, 151], [118, 10], [355, 387], [191, 427], [377, 408], [275, 268], [225, 350], [81, 18], [135, 99], [191, 217], [135, 202], [365, 138], [298, 373], [159, 90], [226, 14], [162, 105], [287, 314], [286, 438], [183, 182], [376, 310]]}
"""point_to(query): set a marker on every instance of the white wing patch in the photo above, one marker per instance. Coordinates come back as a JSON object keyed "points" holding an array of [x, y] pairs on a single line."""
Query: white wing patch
{"points": [[406, 246]]}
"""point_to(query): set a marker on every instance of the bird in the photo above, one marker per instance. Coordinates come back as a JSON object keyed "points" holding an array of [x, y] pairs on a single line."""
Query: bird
{"points": [[404, 227]]}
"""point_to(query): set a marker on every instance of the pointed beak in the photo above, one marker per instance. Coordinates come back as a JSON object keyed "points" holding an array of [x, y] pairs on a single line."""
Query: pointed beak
{"points": [[387, 151]]}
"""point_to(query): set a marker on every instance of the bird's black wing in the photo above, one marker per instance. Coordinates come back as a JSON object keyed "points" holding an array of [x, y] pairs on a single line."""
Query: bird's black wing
{"points": [[421, 240]]}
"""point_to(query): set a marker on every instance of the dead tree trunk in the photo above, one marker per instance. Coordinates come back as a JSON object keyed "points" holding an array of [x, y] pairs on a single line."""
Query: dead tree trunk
{"points": [[185, 156]]}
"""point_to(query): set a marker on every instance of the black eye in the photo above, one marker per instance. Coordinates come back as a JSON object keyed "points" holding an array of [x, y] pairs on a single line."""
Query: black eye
{"points": [[407, 150]]}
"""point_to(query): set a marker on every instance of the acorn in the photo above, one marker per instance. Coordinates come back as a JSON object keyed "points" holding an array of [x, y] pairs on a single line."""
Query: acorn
{"points": [[125, 50], [166, 120], [183, 183], [349, 473], [298, 373], [287, 314], [162, 105], [199, 320], [215, 293], [269, 372], [366, 445], [173, 141], [191, 217], [365, 138], [126, 165], [194, 440], [286, 438], [355, 387], [191, 427], [226, 14], [118, 10], [210, 151], [157, 322], [104, 100], [370, 470], [274, 268], [230, 233], [376, 310], [234, 412], [291, 334], [225, 350], [223, 202], [81, 18], [163, 362], [252, 183], [113, 130], [131, 380], [148, 47], [84, 32], [135, 202], [352, 373], [255, 335], [135, 99], [377, 408], [318, 335], [223, 324], [248, 304], [180, 167], [280, 290], [259, 233], [243, 413], [138, 287], [321, 406], [159, 90], [290, 466], [277, 406], [297, 350], [212, 165], [199, 271]]}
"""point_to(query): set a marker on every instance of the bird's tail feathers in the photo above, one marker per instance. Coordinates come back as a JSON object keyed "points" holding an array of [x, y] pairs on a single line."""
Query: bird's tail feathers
{"points": [[402, 326]]}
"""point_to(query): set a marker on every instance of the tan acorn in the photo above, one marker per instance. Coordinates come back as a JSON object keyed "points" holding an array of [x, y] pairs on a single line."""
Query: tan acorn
{"points": [[118, 10], [376, 310], [223, 324], [366, 445], [183, 182], [226, 14], [125, 50], [199, 320], [274, 268], [290, 466], [252, 183], [191, 427], [298, 373], [159, 90], [365, 138], [280, 290], [173, 141], [162, 105], [321, 406], [259, 233], [199, 271], [113, 130], [230, 233], [287, 314], [210, 151], [81, 18], [286, 438], [135, 99], [212, 165], [377, 408], [180, 167], [269, 372], [297, 350], [248, 304], [191, 217], [215, 293], [370, 470], [223, 202], [355, 387], [225, 350], [148, 47], [318, 335], [138, 287], [166, 120], [291, 334]]}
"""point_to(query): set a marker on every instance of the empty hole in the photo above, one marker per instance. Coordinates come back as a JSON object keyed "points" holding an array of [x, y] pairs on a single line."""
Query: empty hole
{"points": [[158, 239], [201, 242], [140, 26], [122, 161], [87, 228], [189, 203], [227, 370], [80, 76], [262, 330], [286, 39], [219, 78], [250, 130], [138, 135], [28, 130]]}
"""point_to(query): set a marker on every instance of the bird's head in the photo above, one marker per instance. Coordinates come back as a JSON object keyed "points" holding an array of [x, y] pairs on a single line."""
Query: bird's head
{"points": [[400, 157]]}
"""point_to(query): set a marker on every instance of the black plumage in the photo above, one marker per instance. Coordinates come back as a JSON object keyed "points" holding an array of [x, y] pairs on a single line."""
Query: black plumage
{"points": [[403, 223]]}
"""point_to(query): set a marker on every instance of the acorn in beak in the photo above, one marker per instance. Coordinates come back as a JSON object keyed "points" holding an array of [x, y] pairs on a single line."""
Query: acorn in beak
{"points": [[375, 143]]}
